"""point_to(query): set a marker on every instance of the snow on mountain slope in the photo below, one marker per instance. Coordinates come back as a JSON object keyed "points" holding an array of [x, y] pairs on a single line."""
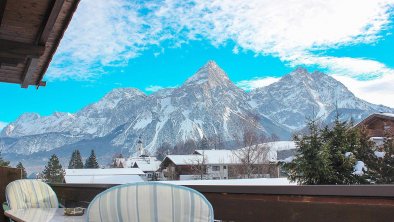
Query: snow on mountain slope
{"points": [[300, 95], [208, 103]]}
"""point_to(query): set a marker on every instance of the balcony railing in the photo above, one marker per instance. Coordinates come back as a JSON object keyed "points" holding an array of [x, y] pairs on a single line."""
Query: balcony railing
{"points": [[273, 203], [260, 203]]}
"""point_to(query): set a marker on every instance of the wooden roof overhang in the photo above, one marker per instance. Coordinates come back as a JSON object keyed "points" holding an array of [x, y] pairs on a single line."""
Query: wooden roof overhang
{"points": [[30, 32], [373, 118]]}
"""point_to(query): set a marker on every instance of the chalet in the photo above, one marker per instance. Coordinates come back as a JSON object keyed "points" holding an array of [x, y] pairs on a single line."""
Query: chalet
{"points": [[214, 164], [378, 126]]}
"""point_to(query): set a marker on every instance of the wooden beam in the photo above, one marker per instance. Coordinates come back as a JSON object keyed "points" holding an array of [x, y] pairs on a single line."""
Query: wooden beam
{"points": [[12, 49], [3, 3], [50, 22], [31, 67], [11, 61]]}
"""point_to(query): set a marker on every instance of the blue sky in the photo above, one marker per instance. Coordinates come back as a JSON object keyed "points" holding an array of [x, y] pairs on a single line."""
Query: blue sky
{"points": [[154, 44]]}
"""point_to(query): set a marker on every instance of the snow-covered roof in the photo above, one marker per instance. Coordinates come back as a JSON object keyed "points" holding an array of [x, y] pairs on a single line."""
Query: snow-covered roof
{"points": [[235, 182], [281, 145], [104, 176], [148, 166], [185, 159], [387, 114], [218, 156], [98, 172], [144, 163], [229, 156]]}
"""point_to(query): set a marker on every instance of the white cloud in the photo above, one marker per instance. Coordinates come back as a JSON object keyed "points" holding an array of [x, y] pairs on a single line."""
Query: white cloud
{"points": [[377, 91], [347, 66], [153, 88], [110, 33], [2, 125], [256, 83]]}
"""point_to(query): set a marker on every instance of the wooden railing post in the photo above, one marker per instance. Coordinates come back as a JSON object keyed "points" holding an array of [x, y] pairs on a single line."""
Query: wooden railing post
{"points": [[7, 175]]}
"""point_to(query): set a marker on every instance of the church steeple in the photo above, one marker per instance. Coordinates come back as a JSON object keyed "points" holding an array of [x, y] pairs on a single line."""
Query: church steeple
{"points": [[140, 147]]}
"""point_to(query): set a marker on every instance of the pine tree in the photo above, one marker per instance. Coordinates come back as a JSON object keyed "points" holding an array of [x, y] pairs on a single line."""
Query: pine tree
{"points": [[341, 140], [3, 162], [204, 144], [91, 162], [20, 166], [364, 151], [53, 172], [386, 163], [311, 164], [76, 160]]}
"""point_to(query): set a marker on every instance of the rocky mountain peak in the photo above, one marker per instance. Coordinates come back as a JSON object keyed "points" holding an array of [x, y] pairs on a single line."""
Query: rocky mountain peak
{"points": [[209, 73]]}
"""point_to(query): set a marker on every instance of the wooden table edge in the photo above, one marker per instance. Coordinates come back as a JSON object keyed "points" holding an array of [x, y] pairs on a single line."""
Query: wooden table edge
{"points": [[12, 217]]}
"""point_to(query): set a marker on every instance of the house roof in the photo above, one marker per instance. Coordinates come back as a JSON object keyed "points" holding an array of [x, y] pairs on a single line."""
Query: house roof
{"points": [[370, 118], [102, 172], [227, 156], [148, 166], [181, 160], [30, 32]]}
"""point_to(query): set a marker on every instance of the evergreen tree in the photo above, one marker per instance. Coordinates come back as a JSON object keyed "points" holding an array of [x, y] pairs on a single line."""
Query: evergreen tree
{"points": [[204, 144], [91, 162], [364, 151], [76, 160], [385, 164], [53, 172], [20, 166], [311, 164], [3, 162], [341, 141]]}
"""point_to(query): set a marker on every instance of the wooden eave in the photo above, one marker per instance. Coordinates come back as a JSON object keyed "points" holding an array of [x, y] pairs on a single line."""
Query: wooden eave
{"points": [[30, 33], [372, 118]]}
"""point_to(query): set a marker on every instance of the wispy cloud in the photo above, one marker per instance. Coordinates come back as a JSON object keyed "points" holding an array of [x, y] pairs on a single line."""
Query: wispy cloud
{"points": [[120, 30], [377, 91], [2, 125], [256, 83], [153, 88]]}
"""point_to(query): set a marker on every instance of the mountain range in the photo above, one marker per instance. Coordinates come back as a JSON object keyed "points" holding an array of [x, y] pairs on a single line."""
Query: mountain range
{"points": [[207, 104]]}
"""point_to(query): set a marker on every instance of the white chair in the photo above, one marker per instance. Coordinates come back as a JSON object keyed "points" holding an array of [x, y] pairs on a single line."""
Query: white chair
{"points": [[22, 194], [150, 201]]}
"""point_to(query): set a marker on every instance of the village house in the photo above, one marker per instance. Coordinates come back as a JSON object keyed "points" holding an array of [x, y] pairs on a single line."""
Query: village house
{"points": [[378, 126], [148, 164], [215, 165]]}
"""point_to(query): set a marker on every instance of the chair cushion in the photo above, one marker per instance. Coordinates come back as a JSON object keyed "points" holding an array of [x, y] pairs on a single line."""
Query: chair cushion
{"points": [[150, 201], [23, 194]]}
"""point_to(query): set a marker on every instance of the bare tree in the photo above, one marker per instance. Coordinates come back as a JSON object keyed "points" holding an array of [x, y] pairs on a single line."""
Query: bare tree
{"points": [[163, 151], [250, 159], [116, 161], [198, 166]]}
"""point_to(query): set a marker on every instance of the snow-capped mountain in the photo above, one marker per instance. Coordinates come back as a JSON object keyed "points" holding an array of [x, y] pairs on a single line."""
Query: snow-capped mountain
{"points": [[300, 95], [208, 103]]}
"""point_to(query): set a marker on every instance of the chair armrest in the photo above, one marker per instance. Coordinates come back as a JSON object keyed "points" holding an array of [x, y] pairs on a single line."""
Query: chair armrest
{"points": [[6, 207]]}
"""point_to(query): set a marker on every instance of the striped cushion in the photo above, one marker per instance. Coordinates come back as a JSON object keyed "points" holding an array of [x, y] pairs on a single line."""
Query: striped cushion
{"points": [[23, 194], [150, 201]]}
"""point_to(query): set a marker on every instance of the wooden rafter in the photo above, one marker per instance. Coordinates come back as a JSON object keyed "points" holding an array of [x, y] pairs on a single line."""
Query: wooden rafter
{"points": [[42, 37], [50, 22], [3, 3], [12, 49], [30, 33], [29, 71]]}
